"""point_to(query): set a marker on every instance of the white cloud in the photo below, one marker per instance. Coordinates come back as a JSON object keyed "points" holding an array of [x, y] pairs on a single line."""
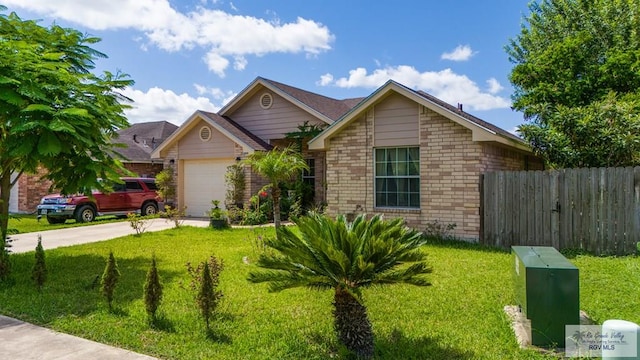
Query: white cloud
{"points": [[460, 53], [158, 104], [216, 63], [494, 86], [220, 34], [239, 63], [221, 96], [445, 85], [325, 80]]}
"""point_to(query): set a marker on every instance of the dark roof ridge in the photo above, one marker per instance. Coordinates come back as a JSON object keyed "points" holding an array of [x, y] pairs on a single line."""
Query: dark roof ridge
{"points": [[331, 107], [466, 115]]}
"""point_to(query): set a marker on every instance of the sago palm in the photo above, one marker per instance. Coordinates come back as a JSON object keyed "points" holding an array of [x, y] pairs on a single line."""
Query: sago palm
{"points": [[334, 254]]}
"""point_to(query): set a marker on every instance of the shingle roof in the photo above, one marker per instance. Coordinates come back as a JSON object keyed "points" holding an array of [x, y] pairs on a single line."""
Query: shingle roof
{"points": [[141, 139], [466, 115], [331, 108], [238, 131]]}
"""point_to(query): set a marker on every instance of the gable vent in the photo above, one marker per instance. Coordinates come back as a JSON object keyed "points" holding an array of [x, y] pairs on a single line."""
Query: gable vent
{"points": [[266, 100], [205, 133]]}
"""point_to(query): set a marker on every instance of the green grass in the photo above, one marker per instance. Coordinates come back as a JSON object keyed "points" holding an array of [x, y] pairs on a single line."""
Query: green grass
{"points": [[459, 317], [29, 223]]}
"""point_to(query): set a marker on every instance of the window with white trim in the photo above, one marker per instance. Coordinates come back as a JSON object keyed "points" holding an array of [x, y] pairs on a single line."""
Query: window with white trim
{"points": [[309, 176], [397, 177]]}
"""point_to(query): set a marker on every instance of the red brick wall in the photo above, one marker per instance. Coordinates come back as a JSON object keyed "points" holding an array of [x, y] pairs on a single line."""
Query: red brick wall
{"points": [[31, 188], [144, 169]]}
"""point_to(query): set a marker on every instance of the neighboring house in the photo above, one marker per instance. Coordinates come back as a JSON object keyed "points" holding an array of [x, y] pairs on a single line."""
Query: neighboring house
{"points": [[398, 152], [139, 141]]}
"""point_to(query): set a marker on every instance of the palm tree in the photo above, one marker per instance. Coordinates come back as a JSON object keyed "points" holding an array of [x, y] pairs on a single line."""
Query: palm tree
{"points": [[277, 166], [346, 257]]}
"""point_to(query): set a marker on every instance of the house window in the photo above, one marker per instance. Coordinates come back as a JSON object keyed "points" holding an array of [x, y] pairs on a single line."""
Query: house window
{"points": [[308, 191], [397, 177], [309, 177]]}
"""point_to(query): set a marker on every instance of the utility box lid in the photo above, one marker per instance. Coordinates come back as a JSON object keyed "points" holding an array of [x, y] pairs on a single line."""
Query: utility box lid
{"points": [[542, 257]]}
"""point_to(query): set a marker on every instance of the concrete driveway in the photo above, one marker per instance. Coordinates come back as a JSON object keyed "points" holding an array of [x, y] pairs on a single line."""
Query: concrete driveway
{"points": [[85, 234]]}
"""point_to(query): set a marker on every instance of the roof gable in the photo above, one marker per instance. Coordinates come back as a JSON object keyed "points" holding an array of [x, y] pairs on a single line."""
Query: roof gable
{"points": [[226, 126], [481, 130], [324, 108]]}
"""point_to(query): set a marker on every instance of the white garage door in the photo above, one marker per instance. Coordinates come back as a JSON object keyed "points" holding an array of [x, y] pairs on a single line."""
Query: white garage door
{"points": [[203, 182]]}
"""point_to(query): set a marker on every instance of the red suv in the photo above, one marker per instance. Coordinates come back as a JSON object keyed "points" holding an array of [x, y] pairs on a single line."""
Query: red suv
{"points": [[137, 195]]}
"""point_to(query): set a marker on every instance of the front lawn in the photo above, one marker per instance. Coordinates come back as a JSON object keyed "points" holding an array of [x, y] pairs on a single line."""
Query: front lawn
{"points": [[30, 223], [459, 317]]}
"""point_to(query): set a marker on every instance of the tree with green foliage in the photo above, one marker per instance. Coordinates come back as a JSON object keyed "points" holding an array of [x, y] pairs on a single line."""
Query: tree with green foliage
{"points": [[152, 290], [277, 166], [39, 273], [109, 279], [54, 113], [304, 133], [576, 76], [166, 185], [209, 296], [334, 254]]}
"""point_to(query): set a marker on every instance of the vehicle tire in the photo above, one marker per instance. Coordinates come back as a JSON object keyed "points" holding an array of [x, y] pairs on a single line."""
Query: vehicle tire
{"points": [[55, 220], [149, 209], [85, 214]]}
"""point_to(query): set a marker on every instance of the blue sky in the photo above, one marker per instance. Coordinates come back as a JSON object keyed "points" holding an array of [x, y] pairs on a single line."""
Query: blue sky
{"points": [[198, 54]]}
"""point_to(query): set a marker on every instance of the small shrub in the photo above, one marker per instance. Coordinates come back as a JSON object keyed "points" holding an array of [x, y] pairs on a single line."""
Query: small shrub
{"points": [[254, 217], [174, 214], [39, 273], [152, 290], [258, 241], [234, 178], [437, 230], [205, 280], [138, 223], [235, 214], [110, 278], [166, 185]]}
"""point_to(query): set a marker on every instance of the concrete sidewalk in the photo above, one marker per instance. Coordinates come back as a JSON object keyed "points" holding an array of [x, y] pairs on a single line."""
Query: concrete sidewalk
{"points": [[85, 234], [24, 341]]}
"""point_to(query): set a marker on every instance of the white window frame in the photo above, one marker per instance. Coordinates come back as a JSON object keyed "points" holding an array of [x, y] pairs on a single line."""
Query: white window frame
{"points": [[392, 198]]}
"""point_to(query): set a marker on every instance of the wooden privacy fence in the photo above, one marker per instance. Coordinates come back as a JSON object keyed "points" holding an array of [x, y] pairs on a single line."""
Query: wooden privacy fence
{"points": [[595, 209]]}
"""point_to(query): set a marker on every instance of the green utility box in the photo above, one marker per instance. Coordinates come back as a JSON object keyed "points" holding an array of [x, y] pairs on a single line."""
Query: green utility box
{"points": [[547, 292]]}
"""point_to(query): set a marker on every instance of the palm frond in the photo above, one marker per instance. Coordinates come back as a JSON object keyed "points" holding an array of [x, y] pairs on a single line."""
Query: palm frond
{"points": [[324, 253]]}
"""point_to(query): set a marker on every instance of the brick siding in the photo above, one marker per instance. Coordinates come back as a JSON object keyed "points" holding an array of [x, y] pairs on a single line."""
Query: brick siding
{"points": [[31, 188], [450, 168], [144, 169]]}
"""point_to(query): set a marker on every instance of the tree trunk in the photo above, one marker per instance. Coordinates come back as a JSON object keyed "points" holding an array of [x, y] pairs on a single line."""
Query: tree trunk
{"points": [[352, 324], [275, 194], [5, 194]]}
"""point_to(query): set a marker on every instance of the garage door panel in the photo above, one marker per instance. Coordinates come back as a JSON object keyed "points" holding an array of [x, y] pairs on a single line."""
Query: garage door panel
{"points": [[203, 182]]}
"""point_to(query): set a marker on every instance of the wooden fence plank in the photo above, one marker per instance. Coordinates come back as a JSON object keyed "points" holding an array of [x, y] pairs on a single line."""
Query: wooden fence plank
{"points": [[593, 209], [554, 214]]}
